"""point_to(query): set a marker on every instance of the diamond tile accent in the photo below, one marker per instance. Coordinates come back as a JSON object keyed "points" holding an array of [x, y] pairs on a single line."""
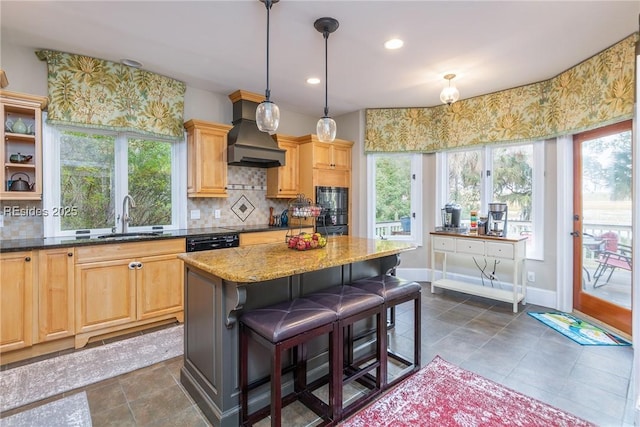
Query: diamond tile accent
{"points": [[243, 208]]}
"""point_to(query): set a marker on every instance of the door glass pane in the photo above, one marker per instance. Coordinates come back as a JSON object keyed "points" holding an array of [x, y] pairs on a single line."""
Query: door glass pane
{"points": [[465, 181], [513, 185], [86, 180], [393, 195], [607, 213], [150, 182]]}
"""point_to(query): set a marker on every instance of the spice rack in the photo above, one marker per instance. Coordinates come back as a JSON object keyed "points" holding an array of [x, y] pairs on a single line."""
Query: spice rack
{"points": [[21, 134]]}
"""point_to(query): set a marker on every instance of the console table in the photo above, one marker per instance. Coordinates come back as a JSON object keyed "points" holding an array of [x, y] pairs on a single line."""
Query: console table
{"points": [[486, 247]]}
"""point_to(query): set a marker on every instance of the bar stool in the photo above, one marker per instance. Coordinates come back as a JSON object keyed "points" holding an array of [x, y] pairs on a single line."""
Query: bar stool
{"points": [[280, 327], [396, 291], [352, 305]]}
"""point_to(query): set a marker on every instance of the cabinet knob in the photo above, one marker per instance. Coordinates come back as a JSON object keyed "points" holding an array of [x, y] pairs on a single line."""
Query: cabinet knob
{"points": [[70, 254], [132, 265], [27, 259], [139, 265]]}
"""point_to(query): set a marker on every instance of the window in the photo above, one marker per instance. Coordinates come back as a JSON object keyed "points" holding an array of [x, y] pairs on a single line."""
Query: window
{"points": [[395, 197], [511, 174], [93, 170]]}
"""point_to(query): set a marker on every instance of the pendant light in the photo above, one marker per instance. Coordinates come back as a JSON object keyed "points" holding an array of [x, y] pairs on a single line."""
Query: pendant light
{"points": [[326, 127], [268, 113], [450, 94]]}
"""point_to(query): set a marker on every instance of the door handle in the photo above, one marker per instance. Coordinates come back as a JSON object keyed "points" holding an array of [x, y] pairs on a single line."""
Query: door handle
{"points": [[575, 233]]}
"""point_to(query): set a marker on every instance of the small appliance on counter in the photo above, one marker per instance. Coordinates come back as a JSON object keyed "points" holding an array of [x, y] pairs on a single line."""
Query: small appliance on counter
{"points": [[497, 220], [451, 219]]}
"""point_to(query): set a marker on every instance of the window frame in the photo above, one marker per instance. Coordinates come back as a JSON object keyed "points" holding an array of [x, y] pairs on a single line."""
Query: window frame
{"points": [[535, 251], [51, 187], [416, 198]]}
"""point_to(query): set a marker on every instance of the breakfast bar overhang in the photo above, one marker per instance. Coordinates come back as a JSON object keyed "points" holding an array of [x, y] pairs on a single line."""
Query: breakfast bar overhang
{"points": [[220, 284]]}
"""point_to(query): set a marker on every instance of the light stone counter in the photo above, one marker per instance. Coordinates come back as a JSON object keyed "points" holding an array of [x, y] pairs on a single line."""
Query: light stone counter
{"points": [[260, 263]]}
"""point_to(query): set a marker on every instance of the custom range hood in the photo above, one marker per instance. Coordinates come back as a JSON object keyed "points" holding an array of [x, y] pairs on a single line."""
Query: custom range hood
{"points": [[248, 146]]}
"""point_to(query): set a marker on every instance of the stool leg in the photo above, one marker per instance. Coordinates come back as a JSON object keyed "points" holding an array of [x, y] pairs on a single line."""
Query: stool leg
{"points": [[276, 386], [300, 371], [381, 348], [417, 341], [338, 369], [244, 383]]}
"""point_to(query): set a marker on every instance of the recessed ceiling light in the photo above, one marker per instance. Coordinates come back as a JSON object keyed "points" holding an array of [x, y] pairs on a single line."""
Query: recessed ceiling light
{"points": [[313, 80], [393, 44], [131, 63]]}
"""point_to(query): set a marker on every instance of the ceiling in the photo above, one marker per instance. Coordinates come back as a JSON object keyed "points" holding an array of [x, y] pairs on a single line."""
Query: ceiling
{"points": [[220, 45]]}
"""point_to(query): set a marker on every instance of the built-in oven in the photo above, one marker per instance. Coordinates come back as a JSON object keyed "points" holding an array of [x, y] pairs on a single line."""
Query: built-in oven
{"points": [[212, 241], [334, 218]]}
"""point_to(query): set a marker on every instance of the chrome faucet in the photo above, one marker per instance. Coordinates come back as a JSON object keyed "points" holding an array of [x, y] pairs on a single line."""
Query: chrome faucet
{"points": [[125, 212]]}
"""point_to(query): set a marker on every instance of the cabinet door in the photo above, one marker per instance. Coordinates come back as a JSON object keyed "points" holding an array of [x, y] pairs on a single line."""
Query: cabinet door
{"points": [[322, 155], [160, 286], [341, 157], [16, 300], [105, 294], [207, 158], [56, 310], [283, 181], [332, 178]]}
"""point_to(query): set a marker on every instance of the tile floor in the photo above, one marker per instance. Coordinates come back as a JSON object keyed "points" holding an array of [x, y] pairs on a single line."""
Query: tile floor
{"points": [[476, 334]]}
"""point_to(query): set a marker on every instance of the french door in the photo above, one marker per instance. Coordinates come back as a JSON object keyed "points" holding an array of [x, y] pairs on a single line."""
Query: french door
{"points": [[602, 202]]}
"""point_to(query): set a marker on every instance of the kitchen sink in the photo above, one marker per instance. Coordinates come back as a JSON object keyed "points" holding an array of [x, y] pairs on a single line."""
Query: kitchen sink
{"points": [[124, 236]]}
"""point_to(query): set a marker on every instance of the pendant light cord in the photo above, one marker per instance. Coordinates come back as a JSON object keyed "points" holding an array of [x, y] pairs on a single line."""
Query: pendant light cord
{"points": [[267, 92], [326, 73]]}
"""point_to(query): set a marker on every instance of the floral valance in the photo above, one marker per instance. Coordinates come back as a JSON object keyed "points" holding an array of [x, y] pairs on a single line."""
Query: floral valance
{"points": [[594, 93], [85, 91]]}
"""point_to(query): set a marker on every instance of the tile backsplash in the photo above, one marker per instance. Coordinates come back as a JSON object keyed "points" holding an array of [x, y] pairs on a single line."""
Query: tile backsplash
{"points": [[246, 205]]}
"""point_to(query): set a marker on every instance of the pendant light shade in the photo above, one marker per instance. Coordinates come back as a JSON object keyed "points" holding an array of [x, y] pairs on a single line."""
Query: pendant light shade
{"points": [[326, 128], [268, 113], [449, 94]]}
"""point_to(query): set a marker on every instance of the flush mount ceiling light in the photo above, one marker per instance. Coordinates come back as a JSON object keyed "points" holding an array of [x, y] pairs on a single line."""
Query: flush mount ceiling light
{"points": [[449, 94], [268, 113], [313, 80], [393, 44], [326, 127]]}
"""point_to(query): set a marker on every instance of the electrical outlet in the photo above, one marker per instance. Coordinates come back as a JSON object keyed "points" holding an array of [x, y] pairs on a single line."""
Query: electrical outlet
{"points": [[216, 214], [531, 277], [195, 214]]}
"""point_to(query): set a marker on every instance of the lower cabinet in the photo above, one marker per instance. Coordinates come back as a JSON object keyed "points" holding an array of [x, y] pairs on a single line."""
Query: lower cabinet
{"points": [[116, 288], [17, 273]]}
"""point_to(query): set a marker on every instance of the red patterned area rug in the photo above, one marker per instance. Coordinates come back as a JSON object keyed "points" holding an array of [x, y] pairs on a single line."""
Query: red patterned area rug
{"points": [[441, 394]]}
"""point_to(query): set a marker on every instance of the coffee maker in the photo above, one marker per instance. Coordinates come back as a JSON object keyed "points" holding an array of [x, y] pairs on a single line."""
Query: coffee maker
{"points": [[451, 216], [497, 220]]}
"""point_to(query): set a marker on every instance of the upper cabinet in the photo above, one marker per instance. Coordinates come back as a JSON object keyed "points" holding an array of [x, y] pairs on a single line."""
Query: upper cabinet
{"points": [[207, 158], [21, 150], [329, 155], [283, 181]]}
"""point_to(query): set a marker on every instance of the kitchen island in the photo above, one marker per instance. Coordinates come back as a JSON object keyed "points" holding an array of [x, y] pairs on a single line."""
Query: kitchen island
{"points": [[220, 284]]}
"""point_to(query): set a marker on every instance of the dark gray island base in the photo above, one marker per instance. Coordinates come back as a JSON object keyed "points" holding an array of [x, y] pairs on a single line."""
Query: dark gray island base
{"points": [[220, 284]]}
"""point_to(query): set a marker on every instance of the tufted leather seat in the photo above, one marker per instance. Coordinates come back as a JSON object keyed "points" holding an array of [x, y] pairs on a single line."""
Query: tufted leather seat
{"points": [[396, 291], [352, 305], [280, 327]]}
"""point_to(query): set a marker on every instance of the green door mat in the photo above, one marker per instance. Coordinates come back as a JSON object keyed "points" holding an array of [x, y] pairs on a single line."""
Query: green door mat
{"points": [[580, 331]]}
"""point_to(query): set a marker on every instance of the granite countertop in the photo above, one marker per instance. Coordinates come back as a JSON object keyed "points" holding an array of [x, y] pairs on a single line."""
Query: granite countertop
{"points": [[479, 236], [14, 245], [274, 260]]}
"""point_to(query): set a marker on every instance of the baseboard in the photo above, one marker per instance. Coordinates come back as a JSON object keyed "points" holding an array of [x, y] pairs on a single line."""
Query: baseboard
{"points": [[537, 296]]}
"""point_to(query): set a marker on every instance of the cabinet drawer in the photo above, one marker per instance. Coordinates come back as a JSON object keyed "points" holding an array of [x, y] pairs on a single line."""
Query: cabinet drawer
{"points": [[500, 250], [468, 246], [443, 244]]}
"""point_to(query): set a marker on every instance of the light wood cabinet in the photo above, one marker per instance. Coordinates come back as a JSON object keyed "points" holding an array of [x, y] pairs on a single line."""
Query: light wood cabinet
{"points": [[283, 181], [271, 236], [328, 155], [56, 308], [207, 159], [17, 272], [124, 285], [25, 139]]}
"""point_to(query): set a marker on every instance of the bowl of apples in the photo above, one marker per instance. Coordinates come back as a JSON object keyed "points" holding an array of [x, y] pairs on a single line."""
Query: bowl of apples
{"points": [[307, 241]]}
